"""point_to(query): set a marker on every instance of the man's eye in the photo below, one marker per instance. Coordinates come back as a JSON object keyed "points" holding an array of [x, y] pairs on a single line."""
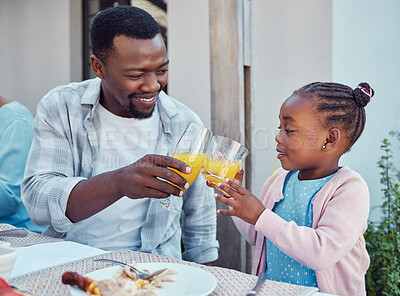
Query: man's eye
{"points": [[135, 76], [163, 71], [289, 131]]}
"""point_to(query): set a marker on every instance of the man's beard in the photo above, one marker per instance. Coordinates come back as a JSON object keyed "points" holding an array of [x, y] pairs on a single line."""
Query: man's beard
{"points": [[134, 112], [137, 114]]}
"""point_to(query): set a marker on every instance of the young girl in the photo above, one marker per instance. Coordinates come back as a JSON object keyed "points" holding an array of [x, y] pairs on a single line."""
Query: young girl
{"points": [[308, 223]]}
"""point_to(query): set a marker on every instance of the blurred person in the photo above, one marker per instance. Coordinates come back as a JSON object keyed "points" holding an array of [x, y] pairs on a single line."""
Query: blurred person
{"points": [[16, 133], [99, 154]]}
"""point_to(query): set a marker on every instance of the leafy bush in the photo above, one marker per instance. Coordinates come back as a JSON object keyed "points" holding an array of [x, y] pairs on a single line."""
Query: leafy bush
{"points": [[383, 238]]}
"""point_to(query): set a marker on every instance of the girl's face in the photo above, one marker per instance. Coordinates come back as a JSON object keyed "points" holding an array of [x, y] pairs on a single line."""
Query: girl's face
{"points": [[301, 139]]}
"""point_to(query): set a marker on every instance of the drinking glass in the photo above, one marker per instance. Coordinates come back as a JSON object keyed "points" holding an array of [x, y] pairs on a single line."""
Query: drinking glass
{"points": [[223, 158], [192, 150]]}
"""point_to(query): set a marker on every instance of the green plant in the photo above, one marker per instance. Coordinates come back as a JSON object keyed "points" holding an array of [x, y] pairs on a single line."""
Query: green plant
{"points": [[383, 237]]}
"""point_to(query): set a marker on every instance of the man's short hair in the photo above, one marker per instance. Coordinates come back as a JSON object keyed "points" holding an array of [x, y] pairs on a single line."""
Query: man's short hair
{"points": [[125, 20]]}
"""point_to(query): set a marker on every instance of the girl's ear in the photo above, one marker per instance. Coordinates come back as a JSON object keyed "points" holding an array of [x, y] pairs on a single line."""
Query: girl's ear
{"points": [[333, 139], [97, 66]]}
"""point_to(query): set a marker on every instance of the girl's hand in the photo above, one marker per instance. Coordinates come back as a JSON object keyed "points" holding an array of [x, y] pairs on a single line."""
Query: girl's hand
{"points": [[239, 175], [242, 203], [238, 178]]}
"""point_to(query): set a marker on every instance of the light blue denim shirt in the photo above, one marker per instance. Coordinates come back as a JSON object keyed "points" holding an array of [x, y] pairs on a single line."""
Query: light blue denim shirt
{"points": [[16, 133], [64, 149]]}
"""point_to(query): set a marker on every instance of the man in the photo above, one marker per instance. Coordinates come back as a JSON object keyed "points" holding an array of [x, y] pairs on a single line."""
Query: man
{"points": [[16, 133], [97, 161]]}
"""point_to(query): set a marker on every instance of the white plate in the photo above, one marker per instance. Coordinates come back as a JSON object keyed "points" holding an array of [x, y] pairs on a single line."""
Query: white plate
{"points": [[190, 280]]}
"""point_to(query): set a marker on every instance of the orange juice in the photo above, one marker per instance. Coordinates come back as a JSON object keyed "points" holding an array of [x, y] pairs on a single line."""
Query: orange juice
{"points": [[195, 161], [217, 170]]}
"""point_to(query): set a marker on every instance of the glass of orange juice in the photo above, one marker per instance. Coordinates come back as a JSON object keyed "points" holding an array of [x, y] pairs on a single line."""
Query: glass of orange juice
{"points": [[191, 148], [223, 158]]}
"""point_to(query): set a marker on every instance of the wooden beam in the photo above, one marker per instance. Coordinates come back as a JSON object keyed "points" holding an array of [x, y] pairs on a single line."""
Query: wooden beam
{"points": [[227, 107], [226, 69]]}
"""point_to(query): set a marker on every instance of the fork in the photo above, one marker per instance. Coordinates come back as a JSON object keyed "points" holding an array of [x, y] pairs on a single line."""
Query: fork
{"points": [[258, 286], [14, 232], [140, 274]]}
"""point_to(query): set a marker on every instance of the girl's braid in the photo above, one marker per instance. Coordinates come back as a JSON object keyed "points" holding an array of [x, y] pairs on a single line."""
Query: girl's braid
{"points": [[340, 106]]}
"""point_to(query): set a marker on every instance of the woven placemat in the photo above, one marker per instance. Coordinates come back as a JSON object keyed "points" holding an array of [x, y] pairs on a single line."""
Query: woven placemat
{"points": [[230, 282], [32, 238]]}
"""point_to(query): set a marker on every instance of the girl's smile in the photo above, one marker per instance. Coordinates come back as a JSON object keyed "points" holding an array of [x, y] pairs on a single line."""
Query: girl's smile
{"points": [[281, 155]]}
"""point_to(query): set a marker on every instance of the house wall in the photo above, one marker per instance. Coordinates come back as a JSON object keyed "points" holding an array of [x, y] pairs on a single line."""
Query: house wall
{"points": [[189, 55], [40, 47], [366, 47], [288, 51]]}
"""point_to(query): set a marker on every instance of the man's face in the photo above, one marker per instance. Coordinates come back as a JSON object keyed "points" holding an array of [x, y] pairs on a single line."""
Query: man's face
{"points": [[133, 76]]}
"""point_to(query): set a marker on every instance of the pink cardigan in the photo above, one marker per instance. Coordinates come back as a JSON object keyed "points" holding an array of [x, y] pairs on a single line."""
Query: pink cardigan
{"points": [[334, 247]]}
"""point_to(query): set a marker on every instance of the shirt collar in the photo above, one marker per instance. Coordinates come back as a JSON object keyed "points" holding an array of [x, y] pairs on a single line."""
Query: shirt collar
{"points": [[167, 110], [91, 95]]}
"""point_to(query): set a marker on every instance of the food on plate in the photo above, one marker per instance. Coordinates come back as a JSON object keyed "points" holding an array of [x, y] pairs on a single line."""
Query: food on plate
{"points": [[124, 283], [84, 283]]}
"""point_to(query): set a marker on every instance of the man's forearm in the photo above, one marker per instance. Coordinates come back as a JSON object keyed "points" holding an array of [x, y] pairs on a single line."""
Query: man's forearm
{"points": [[91, 196]]}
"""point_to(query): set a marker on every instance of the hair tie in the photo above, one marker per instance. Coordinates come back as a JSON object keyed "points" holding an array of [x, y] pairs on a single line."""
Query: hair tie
{"points": [[365, 91]]}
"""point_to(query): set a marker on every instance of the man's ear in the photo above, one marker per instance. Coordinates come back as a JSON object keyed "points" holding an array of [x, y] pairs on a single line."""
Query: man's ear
{"points": [[97, 66], [333, 139]]}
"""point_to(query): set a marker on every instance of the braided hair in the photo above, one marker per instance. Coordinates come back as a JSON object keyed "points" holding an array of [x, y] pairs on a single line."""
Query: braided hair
{"points": [[340, 105], [123, 20]]}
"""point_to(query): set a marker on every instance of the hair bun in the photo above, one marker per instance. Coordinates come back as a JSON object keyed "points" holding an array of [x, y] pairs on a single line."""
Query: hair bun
{"points": [[363, 94]]}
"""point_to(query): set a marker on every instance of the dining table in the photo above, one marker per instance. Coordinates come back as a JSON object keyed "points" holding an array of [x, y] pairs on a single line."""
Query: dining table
{"points": [[42, 260]]}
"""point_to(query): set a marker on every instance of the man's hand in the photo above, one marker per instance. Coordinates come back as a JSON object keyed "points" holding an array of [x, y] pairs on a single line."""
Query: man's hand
{"points": [[150, 177]]}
